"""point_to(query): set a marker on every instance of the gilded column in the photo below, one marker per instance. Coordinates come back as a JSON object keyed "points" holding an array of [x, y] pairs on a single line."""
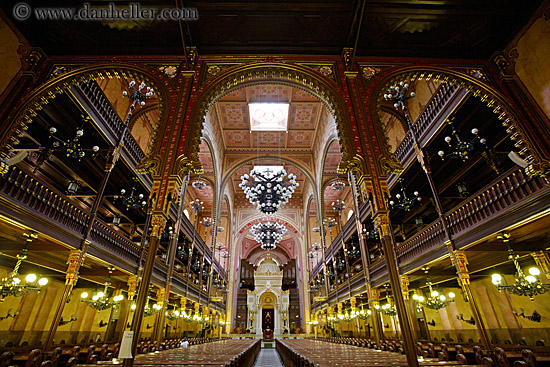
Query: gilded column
{"points": [[382, 222], [461, 263]]}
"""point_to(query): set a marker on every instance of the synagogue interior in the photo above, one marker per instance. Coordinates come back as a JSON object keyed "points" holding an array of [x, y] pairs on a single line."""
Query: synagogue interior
{"points": [[264, 183]]}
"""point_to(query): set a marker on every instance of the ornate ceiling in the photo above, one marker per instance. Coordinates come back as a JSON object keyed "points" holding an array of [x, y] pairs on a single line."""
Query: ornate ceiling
{"points": [[304, 115], [395, 28]]}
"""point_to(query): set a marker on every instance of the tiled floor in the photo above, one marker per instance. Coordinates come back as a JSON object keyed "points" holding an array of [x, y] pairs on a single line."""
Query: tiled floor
{"points": [[268, 358]]}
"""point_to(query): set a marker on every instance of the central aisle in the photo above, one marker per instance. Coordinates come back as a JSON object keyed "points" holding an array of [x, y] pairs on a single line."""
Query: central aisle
{"points": [[268, 357]]}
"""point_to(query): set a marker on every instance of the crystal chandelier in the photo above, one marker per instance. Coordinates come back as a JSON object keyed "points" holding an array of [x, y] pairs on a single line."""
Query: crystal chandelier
{"points": [[132, 201], [403, 201], [436, 300], [199, 184], [268, 234], [100, 300], [462, 147], [529, 285], [268, 190], [11, 285], [338, 185]]}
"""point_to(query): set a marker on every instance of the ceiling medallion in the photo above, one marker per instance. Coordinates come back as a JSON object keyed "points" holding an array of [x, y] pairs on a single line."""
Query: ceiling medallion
{"points": [[268, 190], [268, 234]]}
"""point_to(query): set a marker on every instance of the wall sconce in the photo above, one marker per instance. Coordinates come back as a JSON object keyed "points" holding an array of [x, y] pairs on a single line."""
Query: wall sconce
{"points": [[431, 323], [73, 187], [103, 324], [63, 322], [471, 321], [9, 314], [116, 220], [536, 317]]}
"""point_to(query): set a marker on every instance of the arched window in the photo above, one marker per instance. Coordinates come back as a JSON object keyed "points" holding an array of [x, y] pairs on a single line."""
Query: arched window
{"points": [[350, 213], [186, 212]]}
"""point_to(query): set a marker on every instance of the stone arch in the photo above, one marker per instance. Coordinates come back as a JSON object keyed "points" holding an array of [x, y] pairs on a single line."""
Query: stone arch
{"points": [[216, 183], [62, 79], [480, 88], [296, 76]]}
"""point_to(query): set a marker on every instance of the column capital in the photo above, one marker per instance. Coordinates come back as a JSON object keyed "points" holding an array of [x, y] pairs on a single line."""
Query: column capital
{"points": [[542, 260], [74, 262]]}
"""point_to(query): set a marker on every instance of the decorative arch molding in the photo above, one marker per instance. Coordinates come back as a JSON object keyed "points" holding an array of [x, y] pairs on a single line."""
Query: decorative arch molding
{"points": [[215, 200], [251, 252], [63, 77], [480, 88], [293, 75]]}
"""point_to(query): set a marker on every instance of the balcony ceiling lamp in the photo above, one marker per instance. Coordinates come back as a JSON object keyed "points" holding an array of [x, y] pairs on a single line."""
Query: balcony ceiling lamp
{"points": [[12, 285], [462, 148], [100, 300], [131, 201], [403, 201], [338, 205], [268, 190], [524, 285], [268, 234], [71, 147]]}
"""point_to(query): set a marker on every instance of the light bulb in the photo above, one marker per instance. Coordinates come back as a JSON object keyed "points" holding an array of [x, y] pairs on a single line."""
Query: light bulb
{"points": [[497, 279], [451, 295], [415, 297], [421, 298], [442, 297], [95, 298], [531, 279], [84, 295], [534, 271], [42, 281], [133, 307], [31, 278], [435, 293], [16, 281], [100, 294]]}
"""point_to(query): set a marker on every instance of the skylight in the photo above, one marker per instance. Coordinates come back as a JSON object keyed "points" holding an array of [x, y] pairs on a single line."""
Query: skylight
{"points": [[268, 116]]}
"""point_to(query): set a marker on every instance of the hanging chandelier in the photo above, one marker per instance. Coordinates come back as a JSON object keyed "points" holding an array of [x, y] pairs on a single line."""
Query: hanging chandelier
{"points": [[71, 147], [199, 184], [100, 300], [172, 315], [150, 311], [462, 147], [387, 309], [131, 201], [268, 234], [403, 201], [436, 300], [338, 185], [525, 285], [12, 285], [268, 190]]}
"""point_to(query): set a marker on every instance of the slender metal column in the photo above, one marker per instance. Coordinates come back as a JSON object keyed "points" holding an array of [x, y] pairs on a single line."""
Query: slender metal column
{"points": [[398, 94]]}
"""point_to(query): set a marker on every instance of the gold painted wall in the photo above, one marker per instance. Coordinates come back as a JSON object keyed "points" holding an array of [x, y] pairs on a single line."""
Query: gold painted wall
{"points": [[9, 58], [532, 65]]}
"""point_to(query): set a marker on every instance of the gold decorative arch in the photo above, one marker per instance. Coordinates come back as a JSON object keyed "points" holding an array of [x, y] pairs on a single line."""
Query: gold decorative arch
{"points": [[479, 88], [296, 76], [62, 79]]}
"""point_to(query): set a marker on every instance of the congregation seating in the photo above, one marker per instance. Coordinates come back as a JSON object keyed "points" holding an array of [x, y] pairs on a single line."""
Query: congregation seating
{"points": [[299, 354], [72, 355]]}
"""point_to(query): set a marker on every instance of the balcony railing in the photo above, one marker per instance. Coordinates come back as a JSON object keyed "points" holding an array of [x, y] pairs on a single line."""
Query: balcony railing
{"points": [[440, 106], [512, 189], [110, 121]]}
